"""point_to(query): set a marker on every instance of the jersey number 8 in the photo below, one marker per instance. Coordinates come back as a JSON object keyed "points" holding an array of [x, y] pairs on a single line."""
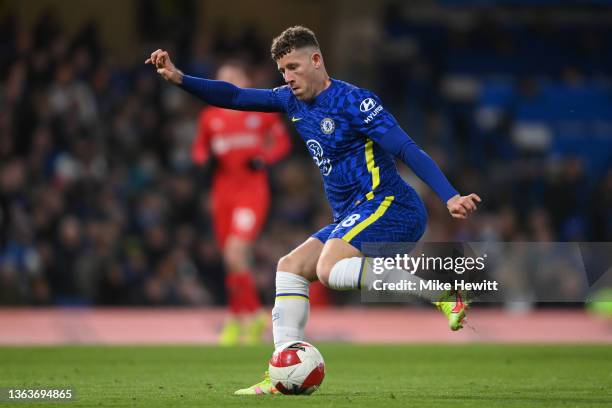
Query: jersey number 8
{"points": [[350, 220]]}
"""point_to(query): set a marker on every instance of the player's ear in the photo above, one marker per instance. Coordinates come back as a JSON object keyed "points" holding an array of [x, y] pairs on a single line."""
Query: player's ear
{"points": [[317, 59]]}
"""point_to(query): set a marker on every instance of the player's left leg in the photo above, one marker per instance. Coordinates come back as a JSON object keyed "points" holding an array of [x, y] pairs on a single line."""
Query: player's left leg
{"points": [[342, 265]]}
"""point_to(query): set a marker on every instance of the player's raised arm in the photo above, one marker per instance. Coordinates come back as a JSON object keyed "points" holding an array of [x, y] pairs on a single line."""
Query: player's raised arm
{"points": [[369, 117], [219, 93]]}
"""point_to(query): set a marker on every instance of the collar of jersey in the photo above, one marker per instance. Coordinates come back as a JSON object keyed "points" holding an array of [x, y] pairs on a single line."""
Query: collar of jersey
{"points": [[323, 95]]}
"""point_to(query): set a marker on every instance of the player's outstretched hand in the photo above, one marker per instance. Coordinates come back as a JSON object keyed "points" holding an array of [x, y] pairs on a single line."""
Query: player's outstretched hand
{"points": [[162, 62], [462, 206]]}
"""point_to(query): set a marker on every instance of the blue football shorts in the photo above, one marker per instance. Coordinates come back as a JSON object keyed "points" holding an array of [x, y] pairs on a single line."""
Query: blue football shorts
{"points": [[387, 218]]}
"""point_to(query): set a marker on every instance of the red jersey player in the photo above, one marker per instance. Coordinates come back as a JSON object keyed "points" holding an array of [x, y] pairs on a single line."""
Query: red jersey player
{"points": [[242, 144]]}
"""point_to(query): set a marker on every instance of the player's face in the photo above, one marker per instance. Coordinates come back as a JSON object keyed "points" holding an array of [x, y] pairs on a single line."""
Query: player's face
{"points": [[299, 70], [233, 75]]}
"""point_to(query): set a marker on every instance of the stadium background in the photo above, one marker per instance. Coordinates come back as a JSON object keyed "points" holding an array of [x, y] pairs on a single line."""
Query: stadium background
{"points": [[101, 206]]}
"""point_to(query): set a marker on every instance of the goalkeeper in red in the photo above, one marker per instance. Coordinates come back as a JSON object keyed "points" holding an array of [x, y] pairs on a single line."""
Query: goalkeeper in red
{"points": [[241, 145], [353, 140]]}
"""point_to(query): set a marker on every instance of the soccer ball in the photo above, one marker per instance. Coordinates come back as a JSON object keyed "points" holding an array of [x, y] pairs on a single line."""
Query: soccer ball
{"points": [[297, 368]]}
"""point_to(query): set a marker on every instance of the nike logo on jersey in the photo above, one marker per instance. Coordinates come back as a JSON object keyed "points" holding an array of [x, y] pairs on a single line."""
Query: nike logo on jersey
{"points": [[294, 119]]}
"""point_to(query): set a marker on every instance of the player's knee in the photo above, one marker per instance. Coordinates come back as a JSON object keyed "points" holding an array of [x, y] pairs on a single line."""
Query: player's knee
{"points": [[293, 264], [323, 270], [288, 263]]}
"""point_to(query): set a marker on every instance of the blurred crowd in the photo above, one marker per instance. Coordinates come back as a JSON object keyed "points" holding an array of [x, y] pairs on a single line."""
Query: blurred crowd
{"points": [[100, 203]]}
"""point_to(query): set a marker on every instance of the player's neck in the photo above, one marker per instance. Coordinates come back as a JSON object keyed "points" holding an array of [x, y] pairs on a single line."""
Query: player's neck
{"points": [[325, 83]]}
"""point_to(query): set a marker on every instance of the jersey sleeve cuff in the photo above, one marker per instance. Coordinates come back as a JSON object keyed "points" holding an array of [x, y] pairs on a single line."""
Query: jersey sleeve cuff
{"points": [[190, 84], [449, 194]]}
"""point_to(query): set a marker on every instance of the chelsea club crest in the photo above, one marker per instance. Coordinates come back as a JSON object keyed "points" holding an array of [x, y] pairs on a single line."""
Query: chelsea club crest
{"points": [[328, 126]]}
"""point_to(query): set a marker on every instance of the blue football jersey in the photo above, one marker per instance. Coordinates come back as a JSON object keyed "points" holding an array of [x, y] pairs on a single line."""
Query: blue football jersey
{"points": [[340, 128]]}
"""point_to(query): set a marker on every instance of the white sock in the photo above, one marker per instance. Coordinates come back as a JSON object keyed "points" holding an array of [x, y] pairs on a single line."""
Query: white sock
{"points": [[347, 274], [291, 308], [352, 273]]}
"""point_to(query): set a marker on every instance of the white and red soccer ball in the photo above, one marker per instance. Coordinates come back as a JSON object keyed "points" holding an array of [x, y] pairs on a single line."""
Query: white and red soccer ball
{"points": [[297, 368]]}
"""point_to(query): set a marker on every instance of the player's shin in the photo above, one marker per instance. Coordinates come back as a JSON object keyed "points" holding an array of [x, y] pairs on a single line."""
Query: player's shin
{"points": [[291, 308]]}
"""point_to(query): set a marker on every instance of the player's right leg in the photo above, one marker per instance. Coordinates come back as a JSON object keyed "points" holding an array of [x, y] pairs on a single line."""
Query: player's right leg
{"points": [[294, 273]]}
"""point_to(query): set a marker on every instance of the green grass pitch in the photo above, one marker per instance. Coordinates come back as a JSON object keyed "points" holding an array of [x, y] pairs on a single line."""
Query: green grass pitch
{"points": [[357, 376]]}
